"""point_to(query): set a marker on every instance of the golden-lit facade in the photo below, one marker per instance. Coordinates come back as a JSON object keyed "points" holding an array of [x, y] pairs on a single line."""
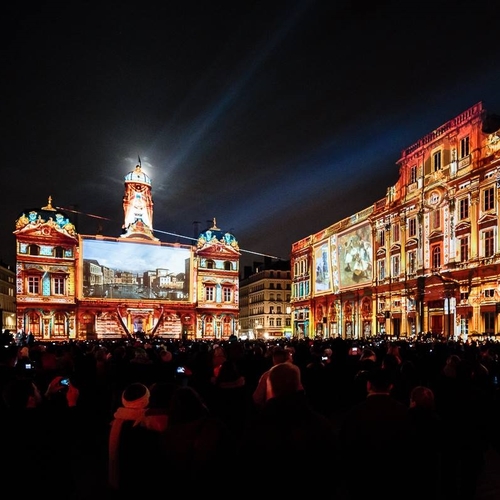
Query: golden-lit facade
{"points": [[265, 301], [73, 286], [425, 258]]}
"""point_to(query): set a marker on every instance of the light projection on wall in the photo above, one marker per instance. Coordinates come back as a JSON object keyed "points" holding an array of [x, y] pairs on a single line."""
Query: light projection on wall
{"points": [[355, 252], [322, 282], [125, 270]]}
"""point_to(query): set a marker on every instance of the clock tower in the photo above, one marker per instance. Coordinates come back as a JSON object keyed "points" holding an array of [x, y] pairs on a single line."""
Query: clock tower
{"points": [[138, 206]]}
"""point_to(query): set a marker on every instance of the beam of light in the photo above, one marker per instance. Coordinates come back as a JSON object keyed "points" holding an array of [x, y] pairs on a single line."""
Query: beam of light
{"points": [[330, 165], [163, 232], [83, 213], [208, 120]]}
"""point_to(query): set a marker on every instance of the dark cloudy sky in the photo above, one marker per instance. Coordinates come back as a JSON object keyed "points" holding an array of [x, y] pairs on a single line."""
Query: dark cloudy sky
{"points": [[278, 118]]}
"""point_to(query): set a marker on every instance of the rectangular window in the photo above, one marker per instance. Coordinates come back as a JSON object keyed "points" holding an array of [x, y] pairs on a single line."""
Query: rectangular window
{"points": [[412, 262], [271, 321], [34, 284], [464, 147], [395, 232], [58, 286], [395, 265], [381, 237], [436, 219], [488, 239], [413, 174], [436, 161], [488, 199], [489, 323], [209, 293], [381, 269], [278, 321], [227, 294], [412, 227], [464, 249], [463, 208]]}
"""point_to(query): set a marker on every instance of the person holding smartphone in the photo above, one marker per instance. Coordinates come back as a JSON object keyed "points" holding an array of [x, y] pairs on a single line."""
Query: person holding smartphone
{"points": [[61, 390]]}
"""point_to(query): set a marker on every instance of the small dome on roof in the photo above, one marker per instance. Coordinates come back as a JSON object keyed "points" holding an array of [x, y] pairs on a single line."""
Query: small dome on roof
{"points": [[216, 235], [138, 175]]}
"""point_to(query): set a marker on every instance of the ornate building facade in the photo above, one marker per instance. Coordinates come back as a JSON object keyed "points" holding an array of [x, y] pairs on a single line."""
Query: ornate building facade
{"points": [[265, 293], [73, 286], [425, 258]]}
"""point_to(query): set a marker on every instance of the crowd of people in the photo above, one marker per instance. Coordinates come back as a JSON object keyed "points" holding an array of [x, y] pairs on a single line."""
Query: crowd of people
{"points": [[344, 418]]}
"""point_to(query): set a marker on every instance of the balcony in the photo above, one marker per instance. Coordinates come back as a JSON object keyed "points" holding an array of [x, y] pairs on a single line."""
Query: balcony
{"points": [[464, 162]]}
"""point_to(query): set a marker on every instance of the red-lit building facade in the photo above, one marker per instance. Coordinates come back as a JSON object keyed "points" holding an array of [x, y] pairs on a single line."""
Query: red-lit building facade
{"points": [[425, 258], [72, 286]]}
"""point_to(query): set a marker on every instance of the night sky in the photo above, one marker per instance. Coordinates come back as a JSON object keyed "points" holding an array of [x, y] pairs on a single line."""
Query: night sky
{"points": [[278, 118]]}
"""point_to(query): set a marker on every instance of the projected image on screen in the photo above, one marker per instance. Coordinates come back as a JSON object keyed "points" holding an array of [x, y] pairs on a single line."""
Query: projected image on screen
{"points": [[355, 256], [124, 270]]}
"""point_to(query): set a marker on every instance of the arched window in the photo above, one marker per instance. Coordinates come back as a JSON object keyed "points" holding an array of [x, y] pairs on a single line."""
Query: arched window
{"points": [[59, 327], [227, 266], [436, 257], [226, 326], [209, 326], [210, 264], [34, 324]]}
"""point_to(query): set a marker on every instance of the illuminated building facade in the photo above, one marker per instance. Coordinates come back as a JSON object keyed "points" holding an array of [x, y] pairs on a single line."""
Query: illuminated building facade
{"points": [[425, 258], [265, 301], [72, 286], [7, 298]]}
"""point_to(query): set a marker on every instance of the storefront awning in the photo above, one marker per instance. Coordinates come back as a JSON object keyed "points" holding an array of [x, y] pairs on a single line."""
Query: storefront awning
{"points": [[464, 310], [412, 314], [396, 315], [488, 308]]}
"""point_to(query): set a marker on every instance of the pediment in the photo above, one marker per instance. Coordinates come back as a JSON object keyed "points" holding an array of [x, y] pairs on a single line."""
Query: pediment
{"points": [[462, 226], [48, 231], [436, 235], [218, 250], [487, 218], [411, 242]]}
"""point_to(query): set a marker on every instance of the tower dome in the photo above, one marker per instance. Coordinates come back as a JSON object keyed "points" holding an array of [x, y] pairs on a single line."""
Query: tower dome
{"points": [[137, 175]]}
